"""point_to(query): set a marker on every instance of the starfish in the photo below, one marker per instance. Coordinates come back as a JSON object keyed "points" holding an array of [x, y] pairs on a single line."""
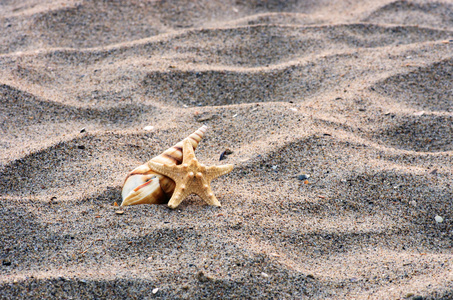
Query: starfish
{"points": [[191, 177]]}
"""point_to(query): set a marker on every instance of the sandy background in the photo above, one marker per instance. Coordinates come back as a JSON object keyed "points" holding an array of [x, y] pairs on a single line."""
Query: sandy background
{"points": [[356, 94]]}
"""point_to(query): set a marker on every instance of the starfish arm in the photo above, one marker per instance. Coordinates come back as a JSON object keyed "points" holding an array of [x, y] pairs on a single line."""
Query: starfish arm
{"points": [[177, 197], [169, 171], [203, 189], [184, 187], [208, 196], [211, 200], [188, 153], [205, 192], [216, 171]]}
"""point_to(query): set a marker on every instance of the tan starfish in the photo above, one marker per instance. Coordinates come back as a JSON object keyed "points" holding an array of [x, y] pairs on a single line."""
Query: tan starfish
{"points": [[191, 177]]}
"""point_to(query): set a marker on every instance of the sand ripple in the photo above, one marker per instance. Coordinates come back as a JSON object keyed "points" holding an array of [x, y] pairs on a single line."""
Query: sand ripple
{"points": [[356, 94]]}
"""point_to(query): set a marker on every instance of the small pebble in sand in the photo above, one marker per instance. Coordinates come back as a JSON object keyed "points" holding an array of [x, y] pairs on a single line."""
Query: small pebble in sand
{"points": [[119, 212], [225, 153], [438, 219], [148, 128], [155, 290], [202, 277], [303, 176], [274, 167], [82, 130], [6, 262], [205, 117], [115, 204], [265, 275], [413, 203]]}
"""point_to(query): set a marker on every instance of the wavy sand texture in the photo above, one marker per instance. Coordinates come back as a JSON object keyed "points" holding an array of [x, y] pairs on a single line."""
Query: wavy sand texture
{"points": [[356, 94]]}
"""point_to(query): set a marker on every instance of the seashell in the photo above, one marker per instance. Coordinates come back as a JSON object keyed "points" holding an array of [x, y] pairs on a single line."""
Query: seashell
{"points": [[144, 186]]}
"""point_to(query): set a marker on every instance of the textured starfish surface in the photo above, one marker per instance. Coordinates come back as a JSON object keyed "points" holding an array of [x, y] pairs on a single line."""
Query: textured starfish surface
{"points": [[191, 177]]}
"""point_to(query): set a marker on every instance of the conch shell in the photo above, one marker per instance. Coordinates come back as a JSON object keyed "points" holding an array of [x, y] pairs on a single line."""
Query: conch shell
{"points": [[144, 186]]}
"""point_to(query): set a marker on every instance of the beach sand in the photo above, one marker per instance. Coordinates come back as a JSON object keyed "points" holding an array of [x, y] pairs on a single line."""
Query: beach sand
{"points": [[355, 95]]}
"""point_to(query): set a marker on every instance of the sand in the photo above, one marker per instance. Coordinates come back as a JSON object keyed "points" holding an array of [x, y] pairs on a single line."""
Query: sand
{"points": [[355, 95]]}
